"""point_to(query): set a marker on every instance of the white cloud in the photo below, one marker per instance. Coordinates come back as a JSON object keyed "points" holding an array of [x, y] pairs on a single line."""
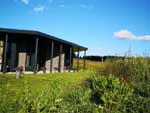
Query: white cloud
{"points": [[127, 35], [39, 9], [124, 34], [25, 1], [146, 37]]}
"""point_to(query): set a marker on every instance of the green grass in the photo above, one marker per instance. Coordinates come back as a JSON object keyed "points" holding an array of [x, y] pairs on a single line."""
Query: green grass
{"points": [[91, 66], [57, 83], [73, 92], [41, 81]]}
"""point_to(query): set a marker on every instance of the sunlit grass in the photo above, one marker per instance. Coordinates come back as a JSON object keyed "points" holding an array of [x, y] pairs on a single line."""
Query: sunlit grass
{"points": [[90, 65], [59, 83], [73, 87]]}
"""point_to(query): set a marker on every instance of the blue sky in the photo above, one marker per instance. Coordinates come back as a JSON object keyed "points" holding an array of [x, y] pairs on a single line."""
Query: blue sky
{"points": [[106, 27]]}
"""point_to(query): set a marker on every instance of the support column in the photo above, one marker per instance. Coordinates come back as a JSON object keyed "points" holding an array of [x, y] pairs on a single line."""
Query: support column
{"points": [[70, 59], [78, 59], [5, 53], [36, 52], [84, 65], [60, 52], [52, 55]]}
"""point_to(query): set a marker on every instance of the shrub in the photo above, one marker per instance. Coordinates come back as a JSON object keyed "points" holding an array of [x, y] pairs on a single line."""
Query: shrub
{"points": [[110, 93], [78, 100], [136, 69], [41, 103], [136, 73], [137, 104]]}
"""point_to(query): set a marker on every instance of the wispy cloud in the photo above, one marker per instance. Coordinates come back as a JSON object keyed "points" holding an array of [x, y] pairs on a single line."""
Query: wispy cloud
{"points": [[25, 1], [127, 35], [39, 8]]}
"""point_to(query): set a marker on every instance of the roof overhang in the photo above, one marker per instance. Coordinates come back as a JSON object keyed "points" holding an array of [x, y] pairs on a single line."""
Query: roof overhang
{"points": [[37, 33]]}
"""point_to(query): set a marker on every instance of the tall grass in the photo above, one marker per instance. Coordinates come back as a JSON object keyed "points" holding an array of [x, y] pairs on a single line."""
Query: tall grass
{"points": [[119, 86], [91, 66], [133, 71], [14, 92]]}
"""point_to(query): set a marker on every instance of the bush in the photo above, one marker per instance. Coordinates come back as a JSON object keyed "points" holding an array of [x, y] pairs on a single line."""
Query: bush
{"points": [[136, 73], [78, 100], [45, 102], [128, 68], [110, 93], [137, 104]]}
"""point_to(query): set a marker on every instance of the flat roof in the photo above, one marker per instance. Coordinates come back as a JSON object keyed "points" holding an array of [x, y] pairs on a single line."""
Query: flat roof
{"points": [[38, 33]]}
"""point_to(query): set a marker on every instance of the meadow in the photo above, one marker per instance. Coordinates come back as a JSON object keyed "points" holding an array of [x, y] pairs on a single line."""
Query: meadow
{"points": [[114, 86], [56, 84]]}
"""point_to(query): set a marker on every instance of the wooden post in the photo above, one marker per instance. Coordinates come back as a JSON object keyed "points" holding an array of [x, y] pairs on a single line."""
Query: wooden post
{"points": [[36, 52], [70, 59], [78, 59], [84, 65], [52, 55], [5, 53], [60, 52]]}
